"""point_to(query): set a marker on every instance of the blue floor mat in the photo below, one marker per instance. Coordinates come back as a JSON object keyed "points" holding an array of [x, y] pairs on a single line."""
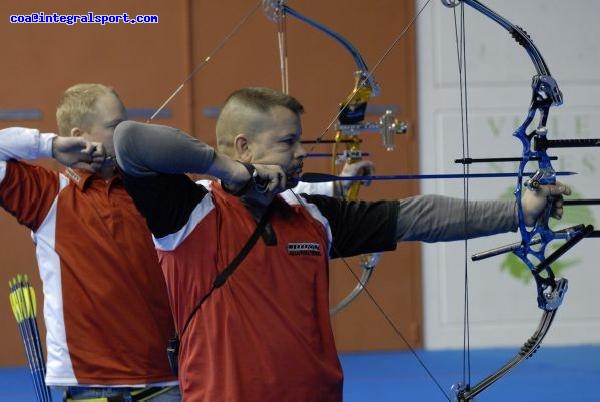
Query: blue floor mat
{"points": [[554, 374]]}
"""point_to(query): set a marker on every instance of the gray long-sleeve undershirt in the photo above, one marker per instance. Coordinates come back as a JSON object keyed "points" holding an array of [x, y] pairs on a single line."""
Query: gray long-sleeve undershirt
{"points": [[149, 149], [432, 218]]}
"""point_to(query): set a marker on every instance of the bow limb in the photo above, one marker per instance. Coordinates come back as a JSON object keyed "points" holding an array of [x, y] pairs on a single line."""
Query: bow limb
{"points": [[352, 112], [352, 154], [276, 10], [467, 393], [549, 303]]}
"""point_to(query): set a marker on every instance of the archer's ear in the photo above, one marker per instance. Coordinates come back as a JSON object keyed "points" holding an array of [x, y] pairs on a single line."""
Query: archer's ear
{"points": [[241, 148], [76, 132]]}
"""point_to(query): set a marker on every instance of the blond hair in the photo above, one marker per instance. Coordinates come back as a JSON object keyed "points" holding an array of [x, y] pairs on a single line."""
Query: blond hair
{"points": [[77, 106]]}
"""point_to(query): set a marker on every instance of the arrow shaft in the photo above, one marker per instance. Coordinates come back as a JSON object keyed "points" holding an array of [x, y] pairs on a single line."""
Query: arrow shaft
{"points": [[324, 177]]}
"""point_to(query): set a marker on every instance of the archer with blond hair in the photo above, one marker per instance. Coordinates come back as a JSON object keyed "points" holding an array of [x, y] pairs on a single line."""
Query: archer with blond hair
{"points": [[105, 302]]}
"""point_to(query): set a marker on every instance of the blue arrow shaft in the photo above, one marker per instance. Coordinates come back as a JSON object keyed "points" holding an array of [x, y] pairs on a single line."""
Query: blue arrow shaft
{"points": [[323, 177]]}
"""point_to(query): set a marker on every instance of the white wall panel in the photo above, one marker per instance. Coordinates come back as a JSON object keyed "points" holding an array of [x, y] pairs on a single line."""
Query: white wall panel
{"points": [[503, 308]]}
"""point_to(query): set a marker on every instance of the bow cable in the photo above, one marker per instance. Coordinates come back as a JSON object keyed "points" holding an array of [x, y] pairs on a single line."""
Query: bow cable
{"points": [[207, 59]]}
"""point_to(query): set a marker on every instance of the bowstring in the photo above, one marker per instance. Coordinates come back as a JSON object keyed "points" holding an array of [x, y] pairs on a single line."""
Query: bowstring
{"points": [[460, 37]]}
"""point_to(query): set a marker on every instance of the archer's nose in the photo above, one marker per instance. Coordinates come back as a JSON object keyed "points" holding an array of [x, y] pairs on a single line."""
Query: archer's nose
{"points": [[300, 152]]}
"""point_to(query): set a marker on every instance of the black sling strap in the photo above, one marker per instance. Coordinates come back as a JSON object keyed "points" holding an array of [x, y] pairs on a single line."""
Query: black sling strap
{"points": [[173, 346]]}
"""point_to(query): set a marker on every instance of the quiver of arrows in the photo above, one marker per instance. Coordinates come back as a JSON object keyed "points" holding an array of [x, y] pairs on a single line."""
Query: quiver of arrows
{"points": [[23, 303]]}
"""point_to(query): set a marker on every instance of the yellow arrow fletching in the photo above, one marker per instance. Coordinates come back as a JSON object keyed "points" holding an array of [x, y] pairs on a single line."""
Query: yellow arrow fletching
{"points": [[33, 301], [14, 307], [22, 298], [14, 300]]}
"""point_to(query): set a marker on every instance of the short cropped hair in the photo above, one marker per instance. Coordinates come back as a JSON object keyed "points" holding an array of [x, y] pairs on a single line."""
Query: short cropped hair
{"points": [[243, 109], [77, 104]]}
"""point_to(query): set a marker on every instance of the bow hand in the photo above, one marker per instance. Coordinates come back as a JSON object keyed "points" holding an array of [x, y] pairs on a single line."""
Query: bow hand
{"points": [[359, 168], [547, 197]]}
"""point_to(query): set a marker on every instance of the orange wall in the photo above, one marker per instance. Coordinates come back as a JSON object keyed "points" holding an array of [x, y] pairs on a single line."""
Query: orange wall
{"points": [[146, 62]]}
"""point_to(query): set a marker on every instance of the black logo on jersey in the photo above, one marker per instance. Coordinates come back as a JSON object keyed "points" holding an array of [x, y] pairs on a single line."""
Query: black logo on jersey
{"points": [[304, 249], [73, 175]]}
